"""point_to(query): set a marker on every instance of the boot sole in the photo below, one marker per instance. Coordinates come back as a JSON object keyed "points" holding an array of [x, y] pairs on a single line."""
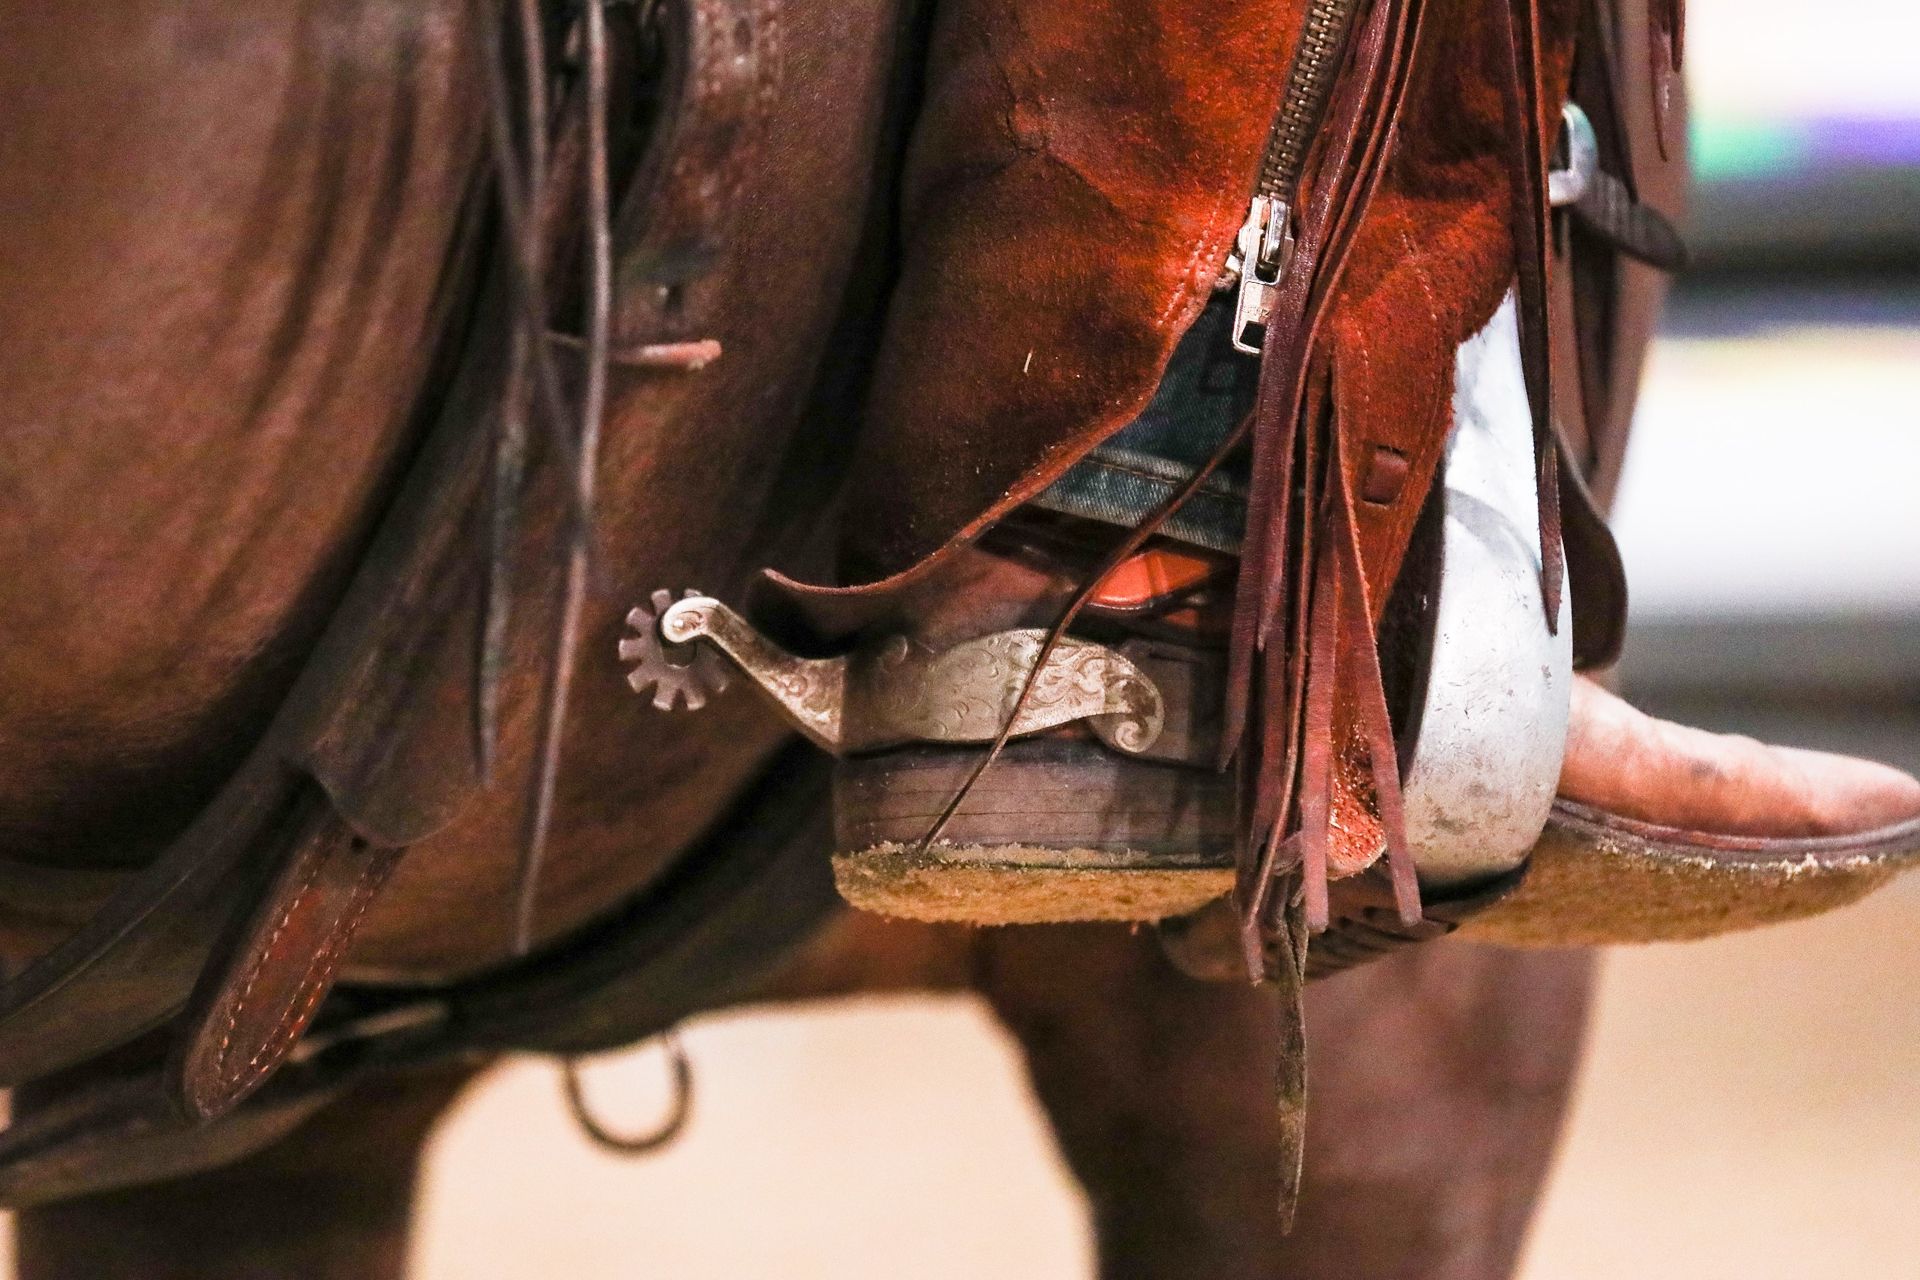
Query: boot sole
{"points": [[1598, 879], [1061, 830]]}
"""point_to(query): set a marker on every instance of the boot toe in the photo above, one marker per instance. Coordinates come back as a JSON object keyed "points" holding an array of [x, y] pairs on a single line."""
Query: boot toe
{"points": [[1624, 762], [1846, 796]]}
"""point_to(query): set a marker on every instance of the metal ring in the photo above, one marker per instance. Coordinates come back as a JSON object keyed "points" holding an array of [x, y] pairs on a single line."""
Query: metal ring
{"points": [[642, 1144], [1566, 186]]}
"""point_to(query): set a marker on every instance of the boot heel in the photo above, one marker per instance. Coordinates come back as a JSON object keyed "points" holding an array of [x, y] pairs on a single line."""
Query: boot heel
{"points": [[1057, 830]]}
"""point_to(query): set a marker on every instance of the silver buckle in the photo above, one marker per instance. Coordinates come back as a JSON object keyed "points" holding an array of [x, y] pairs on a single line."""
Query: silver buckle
{"points": [[1566, 186]]}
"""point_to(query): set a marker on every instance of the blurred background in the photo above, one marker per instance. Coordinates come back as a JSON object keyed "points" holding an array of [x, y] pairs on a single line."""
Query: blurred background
{"points": [[1750, 1107]]}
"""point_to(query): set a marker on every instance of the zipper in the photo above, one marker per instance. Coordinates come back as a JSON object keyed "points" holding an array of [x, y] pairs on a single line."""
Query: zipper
{"points": [[1264, 247]]}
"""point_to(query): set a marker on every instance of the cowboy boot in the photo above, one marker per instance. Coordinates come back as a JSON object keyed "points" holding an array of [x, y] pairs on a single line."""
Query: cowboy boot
{"points": [[1006, 145], [1059, 368]]}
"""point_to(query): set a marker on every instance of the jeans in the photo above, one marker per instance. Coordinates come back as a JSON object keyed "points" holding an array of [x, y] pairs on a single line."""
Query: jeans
{"points": [[1207, 389]]}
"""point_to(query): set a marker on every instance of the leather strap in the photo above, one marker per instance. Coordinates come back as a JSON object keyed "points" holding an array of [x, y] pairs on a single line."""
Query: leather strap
{"points": [[132, 964], [1599, 301], [1366, 925], [728, 915], [1666, 46], [124, 1132], [253, 910], [1609, 210], [280, 964], [1302, 703], [1610, 298], [395, 766], [1527, 102]]}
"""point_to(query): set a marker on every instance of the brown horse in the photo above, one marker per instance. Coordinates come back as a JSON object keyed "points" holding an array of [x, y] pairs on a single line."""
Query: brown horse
{"points": [[250, 252]]}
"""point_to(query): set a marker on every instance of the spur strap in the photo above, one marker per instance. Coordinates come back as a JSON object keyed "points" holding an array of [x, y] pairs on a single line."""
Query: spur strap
{"points": [[1609, 211]]}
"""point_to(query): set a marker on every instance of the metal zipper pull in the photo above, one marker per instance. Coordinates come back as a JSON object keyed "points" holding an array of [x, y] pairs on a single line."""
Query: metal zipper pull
{"points": [[1264, 247], [1260, 256]]}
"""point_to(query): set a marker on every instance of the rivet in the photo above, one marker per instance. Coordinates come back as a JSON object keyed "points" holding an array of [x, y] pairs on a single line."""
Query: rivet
{"points": [[1386, 476]]}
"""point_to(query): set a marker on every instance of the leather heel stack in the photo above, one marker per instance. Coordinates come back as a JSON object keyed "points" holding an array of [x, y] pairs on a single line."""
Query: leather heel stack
{"points": [[1056, 830]]}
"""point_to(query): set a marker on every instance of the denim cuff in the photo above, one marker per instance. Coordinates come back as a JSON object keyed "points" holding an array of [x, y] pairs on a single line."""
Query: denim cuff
{"points": [[1207, 389]]}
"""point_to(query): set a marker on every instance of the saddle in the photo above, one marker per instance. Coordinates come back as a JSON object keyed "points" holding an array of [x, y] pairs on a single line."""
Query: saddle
{"points": [[1025, 643], [188, 1012]]}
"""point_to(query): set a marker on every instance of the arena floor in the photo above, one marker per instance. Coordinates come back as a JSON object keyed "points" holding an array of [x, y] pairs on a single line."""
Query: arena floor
{"points": [[1750, 1111]]}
